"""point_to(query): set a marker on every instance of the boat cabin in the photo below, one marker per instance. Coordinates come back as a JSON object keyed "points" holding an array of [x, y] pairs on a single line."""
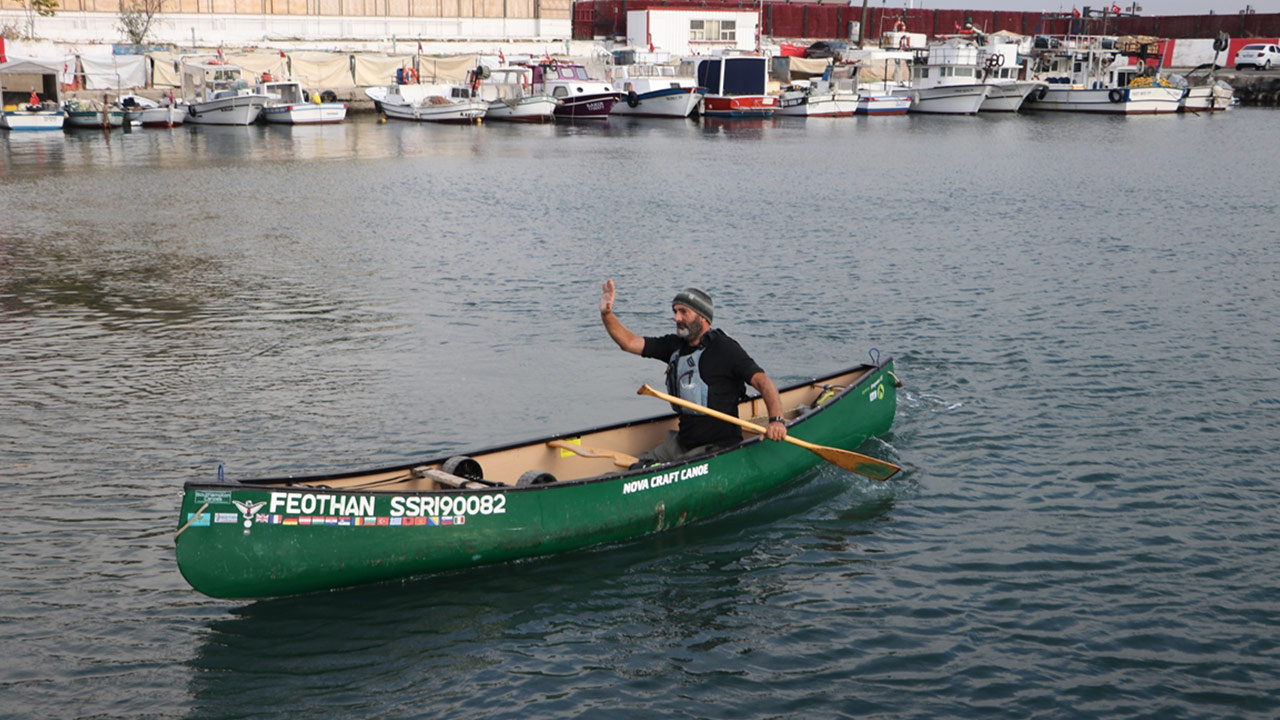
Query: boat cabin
{"points": [[950, 63], [212, 80], [737, 75], [21, 79], [559, 78], [287, 92]]}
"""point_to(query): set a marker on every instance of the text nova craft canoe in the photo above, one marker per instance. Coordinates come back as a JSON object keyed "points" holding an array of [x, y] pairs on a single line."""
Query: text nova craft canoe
{"points": [[285, 536]]}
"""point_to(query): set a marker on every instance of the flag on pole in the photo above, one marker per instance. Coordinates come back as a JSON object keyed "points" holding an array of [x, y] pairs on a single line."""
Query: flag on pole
{"points": [[1075, 12], [1115, 9], [502, 58], [419, 47]]}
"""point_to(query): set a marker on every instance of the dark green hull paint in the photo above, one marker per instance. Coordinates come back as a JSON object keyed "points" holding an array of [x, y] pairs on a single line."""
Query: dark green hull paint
{"points": [[221, 559]]}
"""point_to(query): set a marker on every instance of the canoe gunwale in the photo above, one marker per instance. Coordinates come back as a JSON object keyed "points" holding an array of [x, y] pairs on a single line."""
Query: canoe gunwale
{"points": [[309, 483]]}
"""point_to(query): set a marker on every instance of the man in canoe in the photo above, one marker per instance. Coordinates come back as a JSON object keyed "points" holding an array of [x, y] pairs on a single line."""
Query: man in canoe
{"points": [[705, 366]]}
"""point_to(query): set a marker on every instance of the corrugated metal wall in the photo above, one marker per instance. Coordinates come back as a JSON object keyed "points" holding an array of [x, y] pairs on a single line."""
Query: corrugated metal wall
{"points": [[817, 20]]}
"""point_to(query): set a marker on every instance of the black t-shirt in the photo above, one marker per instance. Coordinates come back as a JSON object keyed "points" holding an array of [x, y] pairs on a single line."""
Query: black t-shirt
{"points": [[726, 369]]}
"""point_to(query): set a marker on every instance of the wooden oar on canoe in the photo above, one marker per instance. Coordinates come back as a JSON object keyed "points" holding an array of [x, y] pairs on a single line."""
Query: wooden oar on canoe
{"points": [[853, 462], [619, 459]]}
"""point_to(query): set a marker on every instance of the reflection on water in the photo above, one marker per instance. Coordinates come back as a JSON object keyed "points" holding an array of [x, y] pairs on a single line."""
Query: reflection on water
{"points": [[476, 643]]}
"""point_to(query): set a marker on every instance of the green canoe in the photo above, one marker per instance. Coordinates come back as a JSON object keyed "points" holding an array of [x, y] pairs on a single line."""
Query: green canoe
{"points": [[284, 536]]}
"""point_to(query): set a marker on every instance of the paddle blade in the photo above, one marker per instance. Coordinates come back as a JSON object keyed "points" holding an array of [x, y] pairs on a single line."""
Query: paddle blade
{"points": [[864, 465]]}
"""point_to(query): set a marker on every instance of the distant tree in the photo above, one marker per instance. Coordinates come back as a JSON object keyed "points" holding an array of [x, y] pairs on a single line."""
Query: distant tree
{"points": [[43, 8], [136, 17]]}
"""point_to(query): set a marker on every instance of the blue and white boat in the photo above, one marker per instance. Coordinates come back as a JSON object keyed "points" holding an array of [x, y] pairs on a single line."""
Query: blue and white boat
{"points": [[28, 96], [656, 90]]}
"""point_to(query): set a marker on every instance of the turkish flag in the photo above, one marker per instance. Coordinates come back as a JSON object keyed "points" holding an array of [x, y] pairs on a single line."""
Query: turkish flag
{"points": [[1075, 12], [1115, 9]]}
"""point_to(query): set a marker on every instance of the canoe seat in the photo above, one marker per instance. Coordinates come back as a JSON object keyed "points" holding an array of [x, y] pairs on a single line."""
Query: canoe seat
{"points": [[441, 477]]}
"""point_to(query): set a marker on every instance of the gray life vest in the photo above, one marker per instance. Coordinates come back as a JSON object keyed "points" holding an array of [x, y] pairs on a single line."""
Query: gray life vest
{"points": [[684, 380]]}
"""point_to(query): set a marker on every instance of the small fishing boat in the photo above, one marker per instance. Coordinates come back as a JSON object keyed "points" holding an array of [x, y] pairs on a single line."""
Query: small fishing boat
{"points": [[1102, 75], [581, 97], [430, 102], [736, 86], [1205, 92], [944, 80], [92, 114], [290, 535], [216, 93], [288, 104], [29, 96], [510, 95], [656, 90], [832, 95], [151, 114], [1007, 87]]}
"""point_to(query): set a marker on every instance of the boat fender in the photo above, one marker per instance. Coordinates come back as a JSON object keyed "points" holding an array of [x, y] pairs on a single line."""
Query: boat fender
{"points": [[463, 466], [1116, 95], [535, 477], [1221, 42], [329, 96], [632, 99], [1041, 93]]}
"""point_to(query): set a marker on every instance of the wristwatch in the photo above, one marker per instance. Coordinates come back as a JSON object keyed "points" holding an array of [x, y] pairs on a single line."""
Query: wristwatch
{"points": [[778, 418]]}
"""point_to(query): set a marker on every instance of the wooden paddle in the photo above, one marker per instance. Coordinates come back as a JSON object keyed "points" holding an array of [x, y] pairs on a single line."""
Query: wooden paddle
{"points": [[619, 459], [853, 462]]}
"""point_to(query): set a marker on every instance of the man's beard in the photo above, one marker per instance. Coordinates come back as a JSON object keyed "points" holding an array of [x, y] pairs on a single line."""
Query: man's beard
{"points": [[684, 331]]}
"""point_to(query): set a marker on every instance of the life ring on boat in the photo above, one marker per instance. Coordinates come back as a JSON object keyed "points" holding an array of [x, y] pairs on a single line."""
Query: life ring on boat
{"points": [[1116, 95], [632, 98], [899, 26], [410, 76]]}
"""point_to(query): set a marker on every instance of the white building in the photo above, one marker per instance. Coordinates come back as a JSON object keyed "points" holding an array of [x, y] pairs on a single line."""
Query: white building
{"points": [[692, 32]]}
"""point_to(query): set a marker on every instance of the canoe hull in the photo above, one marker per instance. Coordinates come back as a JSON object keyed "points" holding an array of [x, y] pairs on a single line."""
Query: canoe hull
{"points": [[242, 540]]}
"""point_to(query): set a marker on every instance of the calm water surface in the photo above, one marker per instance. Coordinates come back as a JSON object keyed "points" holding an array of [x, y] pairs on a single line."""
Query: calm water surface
{"points": [[1083, 311]]}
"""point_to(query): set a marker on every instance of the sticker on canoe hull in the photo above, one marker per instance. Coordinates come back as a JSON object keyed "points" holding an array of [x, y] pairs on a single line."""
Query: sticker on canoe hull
{"points": [[657, 481]]}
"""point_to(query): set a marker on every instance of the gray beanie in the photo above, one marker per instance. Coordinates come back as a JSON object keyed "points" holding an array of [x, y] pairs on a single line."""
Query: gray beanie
{"points": [[696, 300]]}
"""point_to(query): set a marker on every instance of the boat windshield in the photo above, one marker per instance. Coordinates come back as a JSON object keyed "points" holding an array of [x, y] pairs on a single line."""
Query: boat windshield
{"points": [[573, 72]]}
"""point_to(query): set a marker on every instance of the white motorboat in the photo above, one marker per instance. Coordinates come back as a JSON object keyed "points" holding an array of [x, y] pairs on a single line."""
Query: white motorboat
{"points": [[509, 92], [1007, 90], [288, 104], [872, 101], [656, 90], [944, 79], [149, 113], [216, 93], [581, 97], [430, 102], [1101, 75], [26, 116], [832, 95], [29, 96], [1205, 92]]}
